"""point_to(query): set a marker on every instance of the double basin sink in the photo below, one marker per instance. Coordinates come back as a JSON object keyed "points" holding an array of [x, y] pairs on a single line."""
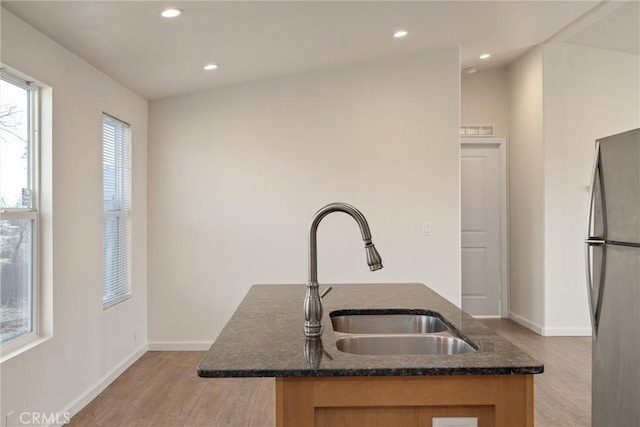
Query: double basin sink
{"points": [[396, 332]]}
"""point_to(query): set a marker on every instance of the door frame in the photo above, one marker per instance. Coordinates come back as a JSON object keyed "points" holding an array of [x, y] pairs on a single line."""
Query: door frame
{"points": [[503, 229]]}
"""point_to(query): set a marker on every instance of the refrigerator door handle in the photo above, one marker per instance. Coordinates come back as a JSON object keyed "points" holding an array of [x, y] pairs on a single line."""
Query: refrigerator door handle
{"points": [[595, 241], [592, 241], [595, 305], [592, 311]]}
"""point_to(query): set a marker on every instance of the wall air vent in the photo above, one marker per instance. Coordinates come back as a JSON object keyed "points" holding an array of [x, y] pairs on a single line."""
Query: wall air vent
{"points": [[477, 130]]}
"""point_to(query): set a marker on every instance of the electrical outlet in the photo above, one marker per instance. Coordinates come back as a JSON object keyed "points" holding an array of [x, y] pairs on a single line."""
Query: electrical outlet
{"points": [[454, 422]]}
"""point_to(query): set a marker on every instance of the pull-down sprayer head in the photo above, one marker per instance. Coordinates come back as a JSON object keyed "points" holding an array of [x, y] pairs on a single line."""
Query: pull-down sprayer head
{"points": [[373, 257]]}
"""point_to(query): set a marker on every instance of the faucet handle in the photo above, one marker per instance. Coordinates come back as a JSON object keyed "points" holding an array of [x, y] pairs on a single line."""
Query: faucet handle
{"points": [[326, 291]]}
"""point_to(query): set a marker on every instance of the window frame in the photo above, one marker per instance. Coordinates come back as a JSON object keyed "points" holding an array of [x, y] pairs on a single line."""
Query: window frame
{"points": [[31, 213], [123, 190]]}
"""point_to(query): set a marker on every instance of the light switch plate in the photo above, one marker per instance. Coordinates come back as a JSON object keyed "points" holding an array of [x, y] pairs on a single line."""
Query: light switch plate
{"points": [[454, 422], [426, 229]]}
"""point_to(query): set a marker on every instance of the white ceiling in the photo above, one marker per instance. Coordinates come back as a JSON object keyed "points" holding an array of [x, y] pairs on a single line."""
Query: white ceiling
{"points": [[156, 57]]}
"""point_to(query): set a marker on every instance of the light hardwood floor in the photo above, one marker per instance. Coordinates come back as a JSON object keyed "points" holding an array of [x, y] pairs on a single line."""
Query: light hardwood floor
{"points": [[563, 392], [162, 389]]}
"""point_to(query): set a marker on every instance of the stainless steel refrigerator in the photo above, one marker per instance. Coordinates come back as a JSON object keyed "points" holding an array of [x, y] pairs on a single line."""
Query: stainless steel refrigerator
{"points": [[613, 280]]}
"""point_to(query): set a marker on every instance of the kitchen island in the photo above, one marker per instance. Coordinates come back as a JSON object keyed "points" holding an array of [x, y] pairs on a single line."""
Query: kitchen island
{"points": [[318, 385]]}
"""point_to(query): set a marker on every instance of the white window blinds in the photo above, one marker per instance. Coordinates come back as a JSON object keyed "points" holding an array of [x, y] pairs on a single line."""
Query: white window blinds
{"points": [[116, 190]]}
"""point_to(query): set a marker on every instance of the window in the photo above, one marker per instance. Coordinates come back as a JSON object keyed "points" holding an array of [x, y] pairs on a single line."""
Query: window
{"points": [[116, 190], [18, 209]]}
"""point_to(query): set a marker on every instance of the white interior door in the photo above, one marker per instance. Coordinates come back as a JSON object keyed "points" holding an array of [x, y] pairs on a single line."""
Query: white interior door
{"points": [[481, 188]]}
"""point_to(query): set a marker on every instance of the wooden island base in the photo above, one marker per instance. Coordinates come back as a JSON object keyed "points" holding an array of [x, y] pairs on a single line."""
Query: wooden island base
{"points": [[496, 400]]}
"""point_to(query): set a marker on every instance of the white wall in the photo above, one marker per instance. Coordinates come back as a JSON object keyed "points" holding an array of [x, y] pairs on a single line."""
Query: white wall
{"points": [[526, 186], [588, 93], [236, 174], [562, 98], [88, 344], [485, 99]]}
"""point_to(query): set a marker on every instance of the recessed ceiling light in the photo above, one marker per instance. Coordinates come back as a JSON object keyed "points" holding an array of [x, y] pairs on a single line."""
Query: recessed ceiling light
{"points": [[470, 70], [171, 12], [400, 34], [210, 67], [485, 56]]}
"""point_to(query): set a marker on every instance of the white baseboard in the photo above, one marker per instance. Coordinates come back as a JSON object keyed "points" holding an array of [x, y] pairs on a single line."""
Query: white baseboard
{"points": [[567, 332], [180, 345], [94, 390], [526, 323], [550, 331], [483, 316]]}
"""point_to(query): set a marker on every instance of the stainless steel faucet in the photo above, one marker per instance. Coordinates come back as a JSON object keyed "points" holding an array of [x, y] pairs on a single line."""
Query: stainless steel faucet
{"points": [[312, 299]]}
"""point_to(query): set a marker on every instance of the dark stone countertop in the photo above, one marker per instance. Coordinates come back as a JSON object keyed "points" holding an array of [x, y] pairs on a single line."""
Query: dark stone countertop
{"points": [[264, 338]]}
